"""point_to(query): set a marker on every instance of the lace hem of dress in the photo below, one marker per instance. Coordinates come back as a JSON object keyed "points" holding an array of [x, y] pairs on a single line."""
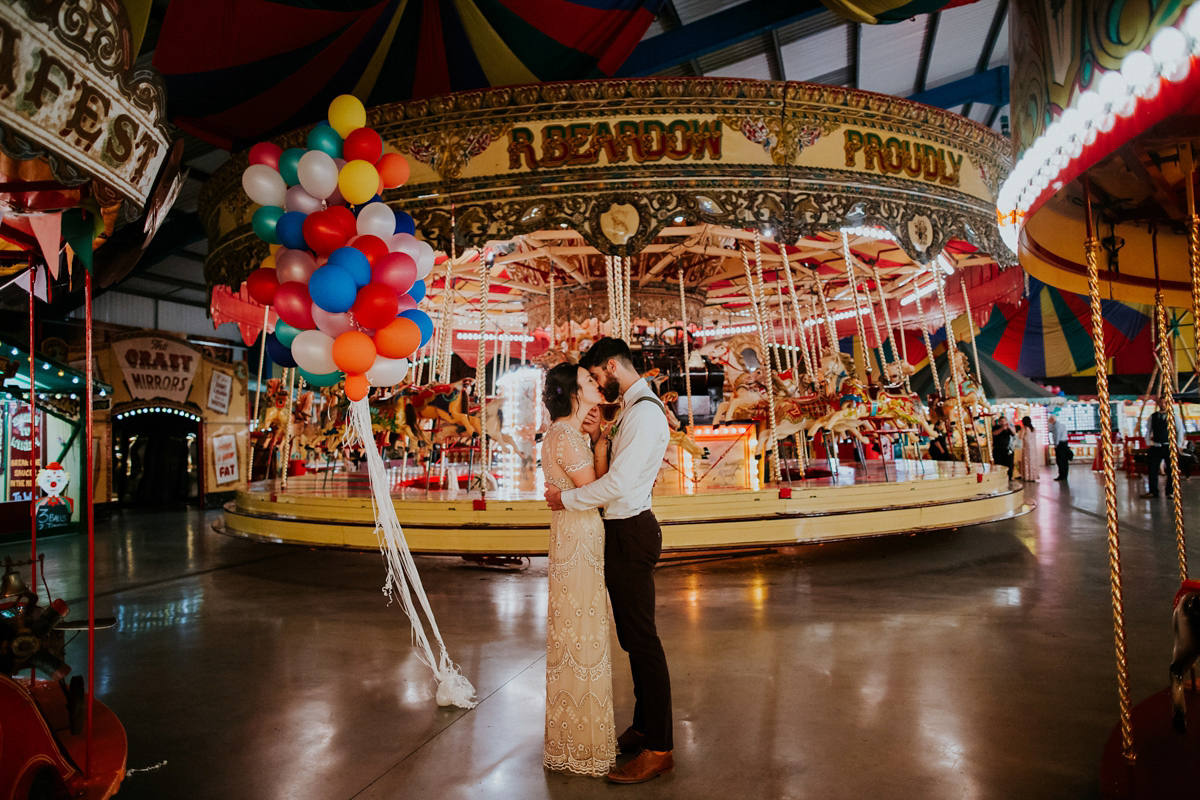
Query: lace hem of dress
{"points": [[590, 767]]}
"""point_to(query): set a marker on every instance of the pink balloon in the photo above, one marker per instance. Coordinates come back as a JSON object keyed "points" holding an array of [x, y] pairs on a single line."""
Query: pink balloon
{"points": [[397, 271], [294, 306], [406, 304], [332, 324], [266, 153], [405, 243], [299, 200], [294, 265]]}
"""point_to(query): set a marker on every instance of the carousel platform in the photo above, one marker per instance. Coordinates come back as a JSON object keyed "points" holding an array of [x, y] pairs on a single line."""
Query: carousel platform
{"points": [[904, 497]]}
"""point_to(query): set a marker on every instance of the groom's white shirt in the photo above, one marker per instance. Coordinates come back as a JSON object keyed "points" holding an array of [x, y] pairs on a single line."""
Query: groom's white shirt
{"points": [[638, 448]]}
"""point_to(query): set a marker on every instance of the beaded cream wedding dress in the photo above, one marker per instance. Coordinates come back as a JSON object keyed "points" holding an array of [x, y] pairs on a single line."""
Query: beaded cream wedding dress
{"points": [[579, 700]]}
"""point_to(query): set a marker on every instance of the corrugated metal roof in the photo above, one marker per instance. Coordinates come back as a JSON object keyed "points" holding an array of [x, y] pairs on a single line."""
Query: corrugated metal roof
{"points": [[718, 64], [889, 56], [756, 67], [961, 34], [824, 52], [692, 10], [1000, 54], [810, 26]]}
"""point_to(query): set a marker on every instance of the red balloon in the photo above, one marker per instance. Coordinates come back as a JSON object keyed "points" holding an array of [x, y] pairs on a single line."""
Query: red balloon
{"points": [[363, 143], [393, 170], [353, 352], [294, 305], [370, 246], [262, 285], [405, 303], [323, 233], [357, 386], [397, 271], [345, 219], [398, 339], [266, 153], [375, 305]]}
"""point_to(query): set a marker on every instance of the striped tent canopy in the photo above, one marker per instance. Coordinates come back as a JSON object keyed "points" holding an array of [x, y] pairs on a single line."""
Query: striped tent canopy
{"points": [[238, 71], [876, 12], [1048, 333]]}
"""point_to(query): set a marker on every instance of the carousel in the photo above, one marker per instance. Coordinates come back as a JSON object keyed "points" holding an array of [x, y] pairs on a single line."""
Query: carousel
{"points": [[780, 256]]}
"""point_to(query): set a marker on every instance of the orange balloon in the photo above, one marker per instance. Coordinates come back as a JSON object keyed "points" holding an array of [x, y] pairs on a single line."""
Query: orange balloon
{"points": [[398, 339], [356, 386], [393, 169], [353, 353]]}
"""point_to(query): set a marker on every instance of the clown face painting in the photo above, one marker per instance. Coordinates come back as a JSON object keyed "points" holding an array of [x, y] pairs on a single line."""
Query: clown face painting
{"points": [[53, 510]]}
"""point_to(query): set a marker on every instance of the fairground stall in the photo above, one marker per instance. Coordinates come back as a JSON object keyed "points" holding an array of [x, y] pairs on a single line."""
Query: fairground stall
{"points": [[778, 254]]}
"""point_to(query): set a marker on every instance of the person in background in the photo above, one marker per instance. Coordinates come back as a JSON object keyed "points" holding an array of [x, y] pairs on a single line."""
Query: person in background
{"points": [[1002, 445], [1062, 450], [939, 445], [1030, 451], [1159, 452]]}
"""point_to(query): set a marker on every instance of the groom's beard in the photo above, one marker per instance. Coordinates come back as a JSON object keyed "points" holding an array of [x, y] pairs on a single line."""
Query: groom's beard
{"points": [[611, 389]]}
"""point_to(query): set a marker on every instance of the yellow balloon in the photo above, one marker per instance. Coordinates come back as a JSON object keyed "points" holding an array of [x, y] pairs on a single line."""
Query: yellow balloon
{"points": [[274, 248], [358, 181], [346, 113], [269, 262]]}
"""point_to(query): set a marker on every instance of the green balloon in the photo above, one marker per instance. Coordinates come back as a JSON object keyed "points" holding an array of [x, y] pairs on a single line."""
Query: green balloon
{"points": [[326, 139], [285, 333], [289, 164], [328, 379], [264, 221]]}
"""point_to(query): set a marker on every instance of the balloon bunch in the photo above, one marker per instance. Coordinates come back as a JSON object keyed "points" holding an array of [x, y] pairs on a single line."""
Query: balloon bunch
{"points": [[345, 273]]}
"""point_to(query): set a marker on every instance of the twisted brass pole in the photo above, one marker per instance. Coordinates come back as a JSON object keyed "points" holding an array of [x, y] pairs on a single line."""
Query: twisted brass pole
{"points": [[553, 331], [776, 471], [1166, 397], [955, 376], [1188, 163], [937, 382], [485, 290], [862, 332], [803, 335], [1092, 248], [687, 370], [987, 426]]}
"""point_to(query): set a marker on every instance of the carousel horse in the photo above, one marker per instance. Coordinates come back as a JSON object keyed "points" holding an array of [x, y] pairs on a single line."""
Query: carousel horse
{"points": [[1186, 623], [447, 402], [493, 423], [892, 401], [551, 359], [851, 407], [737, 355], [679, 437], [275, 415], [396, 419]]}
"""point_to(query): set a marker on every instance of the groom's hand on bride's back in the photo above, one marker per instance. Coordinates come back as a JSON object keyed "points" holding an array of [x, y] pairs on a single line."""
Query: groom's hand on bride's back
{"points": [[554, 498]]}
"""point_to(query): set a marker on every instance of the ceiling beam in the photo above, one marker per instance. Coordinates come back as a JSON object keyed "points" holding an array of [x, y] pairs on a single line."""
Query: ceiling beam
{"points": [[931, 27], [989, 87], [989, 44], [714, 32], [855, 34]]}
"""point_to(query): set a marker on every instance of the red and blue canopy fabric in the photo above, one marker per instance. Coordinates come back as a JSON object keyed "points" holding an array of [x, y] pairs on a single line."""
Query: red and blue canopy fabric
{"points": [[238, 71], [882, 12], [1049, 333]]}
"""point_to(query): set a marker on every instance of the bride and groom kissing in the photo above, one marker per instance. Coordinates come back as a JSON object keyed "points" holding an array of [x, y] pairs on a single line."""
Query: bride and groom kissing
{"points": [[604, 538]]}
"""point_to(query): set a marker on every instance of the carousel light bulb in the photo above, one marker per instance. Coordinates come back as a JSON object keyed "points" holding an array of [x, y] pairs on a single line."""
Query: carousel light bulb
{"points": [[1107, 122], [75, 379], [1139, 70], [1168, 47], [679, 218], [45, 366], [1076, 148], [1091, 106], [1180, 71], [1191, 26], [1073, 121], [1113, 87], [1089, 138], [15, 351]]}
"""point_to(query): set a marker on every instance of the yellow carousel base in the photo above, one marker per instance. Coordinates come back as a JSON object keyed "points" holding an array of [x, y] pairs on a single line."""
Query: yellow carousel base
{"points": [[336, 511]]}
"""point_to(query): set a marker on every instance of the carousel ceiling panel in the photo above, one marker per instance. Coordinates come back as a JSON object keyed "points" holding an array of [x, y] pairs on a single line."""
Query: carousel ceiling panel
{"points": [[757, 67], [961, 36], [890, 55], [824, 52]]}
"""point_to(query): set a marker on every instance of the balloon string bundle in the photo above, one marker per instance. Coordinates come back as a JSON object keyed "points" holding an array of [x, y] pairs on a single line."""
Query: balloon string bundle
{"points": [[403, 582]]}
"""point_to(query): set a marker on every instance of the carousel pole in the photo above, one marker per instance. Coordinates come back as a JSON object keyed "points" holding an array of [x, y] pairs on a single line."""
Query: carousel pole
{"points": [[862, 332], [625, 295], [830, 329], [962, 282], [553, 333], [89, 510], [955, 376], [801, 436], [776, 471], [485, 288], [612, 294], [887, 316], [287, 437], [904, 353], [1166, 394], [937, 381], [262, 353], [687, 370], [815, 357], [34, 450], [772, 354], [1187, 162], [1092, 247]]}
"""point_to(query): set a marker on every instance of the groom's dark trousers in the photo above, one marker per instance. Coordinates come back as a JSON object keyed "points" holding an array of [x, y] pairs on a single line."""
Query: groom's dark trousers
{"points": [[631, 549]]}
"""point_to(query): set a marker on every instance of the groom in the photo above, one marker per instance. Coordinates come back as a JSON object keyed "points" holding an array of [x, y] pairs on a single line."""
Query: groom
{"points": [[632, 545]]}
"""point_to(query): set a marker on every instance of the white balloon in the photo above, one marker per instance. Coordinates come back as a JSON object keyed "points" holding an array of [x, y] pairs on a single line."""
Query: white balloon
{"points": [[264, 185], [299, 200], [313, 351], [424, 261], [318, 174], [377, 219], [385, 371]]}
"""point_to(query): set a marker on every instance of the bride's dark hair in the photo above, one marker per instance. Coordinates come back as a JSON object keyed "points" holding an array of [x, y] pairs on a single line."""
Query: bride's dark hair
{"points": [[561, 389]]}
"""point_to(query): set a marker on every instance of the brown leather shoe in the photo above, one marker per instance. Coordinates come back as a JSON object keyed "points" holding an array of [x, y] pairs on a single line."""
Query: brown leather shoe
{"points": [[644, 766], [630, 741]]}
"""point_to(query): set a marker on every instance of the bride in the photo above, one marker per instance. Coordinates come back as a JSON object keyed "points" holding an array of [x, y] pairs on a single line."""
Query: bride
{"points": [[579, 700]]}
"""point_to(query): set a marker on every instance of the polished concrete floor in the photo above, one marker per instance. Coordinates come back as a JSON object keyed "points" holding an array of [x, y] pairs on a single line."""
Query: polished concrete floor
{"points": [[975, 663]]}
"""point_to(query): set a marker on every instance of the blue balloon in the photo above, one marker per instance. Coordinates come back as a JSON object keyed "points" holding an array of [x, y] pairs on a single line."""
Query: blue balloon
{"points": [[417, 292], [279, 352], [332, 289], [289, 164], [289, 230], [353, 261], [423, 322], [327, 379], [326, 139], [285, 333], [405, 223]]}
